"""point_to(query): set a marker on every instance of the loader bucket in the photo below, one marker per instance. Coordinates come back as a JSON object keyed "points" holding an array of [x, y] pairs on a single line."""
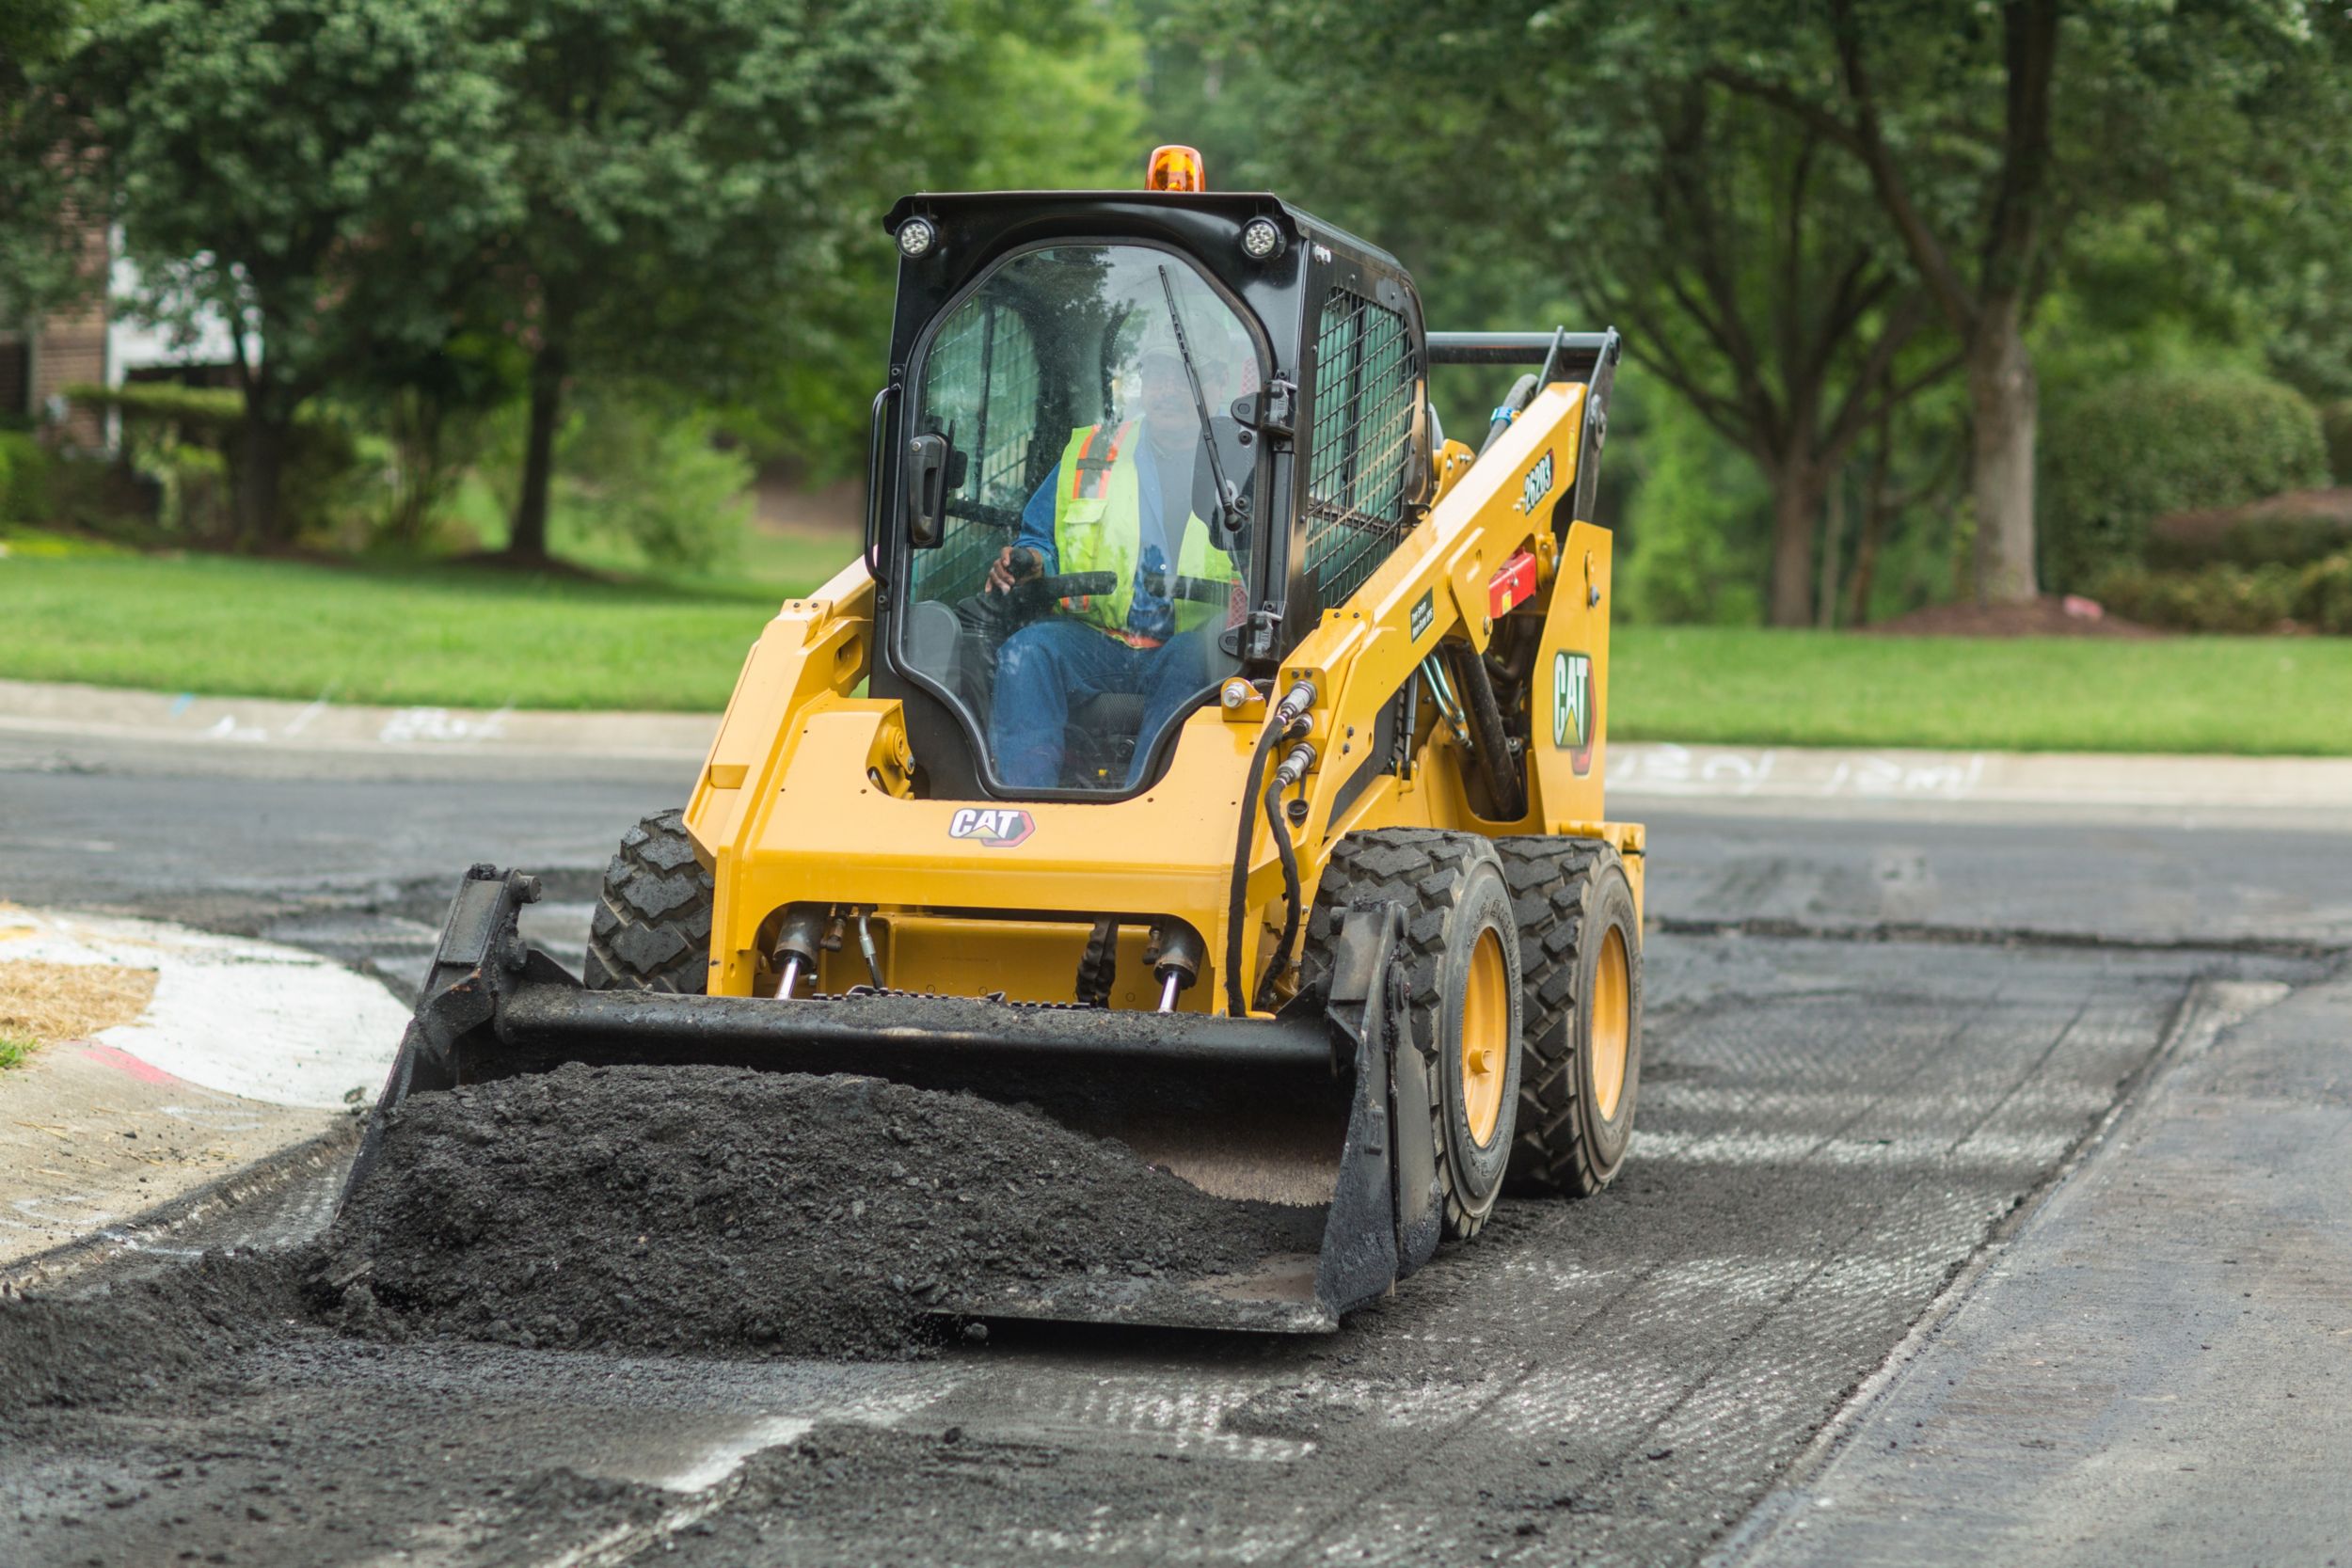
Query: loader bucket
{"points": [[1296, 1111]]}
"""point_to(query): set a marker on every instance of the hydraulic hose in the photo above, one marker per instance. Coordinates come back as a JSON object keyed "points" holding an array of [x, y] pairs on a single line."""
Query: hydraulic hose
{"points": [[1293, 768], [1236, 999], [1279, 724], [1505, 781], [1523, 392]]}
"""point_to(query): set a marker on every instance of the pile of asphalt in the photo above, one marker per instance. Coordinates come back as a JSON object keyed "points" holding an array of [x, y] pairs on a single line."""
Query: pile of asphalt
{"points": [[158, 1332], [719, 1211]]}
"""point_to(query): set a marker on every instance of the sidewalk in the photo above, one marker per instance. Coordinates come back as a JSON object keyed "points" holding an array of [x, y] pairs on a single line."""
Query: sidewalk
{"points": [[245, 1048], [2156, 1369], [1639, 769]]}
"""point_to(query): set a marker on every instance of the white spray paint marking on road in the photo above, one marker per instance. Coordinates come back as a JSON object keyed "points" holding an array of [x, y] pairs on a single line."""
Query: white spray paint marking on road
{"points": [[1660, 768], [438, 724]]}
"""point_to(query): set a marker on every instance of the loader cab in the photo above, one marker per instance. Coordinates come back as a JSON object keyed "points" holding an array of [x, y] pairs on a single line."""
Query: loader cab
{"points": [[1133, 445]]}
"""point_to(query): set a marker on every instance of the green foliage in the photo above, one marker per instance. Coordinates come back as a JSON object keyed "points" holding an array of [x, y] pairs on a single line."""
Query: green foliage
{"points": [[1697, 529], [2323, 596], [676, 170], [2214, 598], [41, 259], [2235, 598], [2335, 424], [24, 465], [2140, 447], [2276, 533], [1029, 95], [639, 484], [190, 441], [322, 172], [203, 413]]}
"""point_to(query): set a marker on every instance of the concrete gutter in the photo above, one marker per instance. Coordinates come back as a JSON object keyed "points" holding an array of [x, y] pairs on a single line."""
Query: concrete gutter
{"points": [[1639, 769]]}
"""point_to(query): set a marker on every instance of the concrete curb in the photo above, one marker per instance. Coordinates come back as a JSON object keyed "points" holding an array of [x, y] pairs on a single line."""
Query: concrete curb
{"points": [[1787, 773], [1643, 769], [260, 721]]}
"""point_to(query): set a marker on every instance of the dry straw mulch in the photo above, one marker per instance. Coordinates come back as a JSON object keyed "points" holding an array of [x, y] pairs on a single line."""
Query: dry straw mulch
{"points": [[48, 1002]]}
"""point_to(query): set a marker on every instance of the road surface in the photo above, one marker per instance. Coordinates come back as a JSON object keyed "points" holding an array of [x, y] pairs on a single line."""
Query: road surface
{"points": [[1885, 1049]]}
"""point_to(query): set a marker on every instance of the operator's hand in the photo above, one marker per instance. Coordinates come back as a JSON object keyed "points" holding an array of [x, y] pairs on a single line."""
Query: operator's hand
{"points": [[1013, 564]]}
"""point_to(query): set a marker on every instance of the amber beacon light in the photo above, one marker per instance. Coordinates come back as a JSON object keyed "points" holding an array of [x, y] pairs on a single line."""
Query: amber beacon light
{"points": [[1175, 169]]}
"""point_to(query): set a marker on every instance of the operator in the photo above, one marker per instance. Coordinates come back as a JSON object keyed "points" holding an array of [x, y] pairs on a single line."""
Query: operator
{"points": [[1120, 501]]}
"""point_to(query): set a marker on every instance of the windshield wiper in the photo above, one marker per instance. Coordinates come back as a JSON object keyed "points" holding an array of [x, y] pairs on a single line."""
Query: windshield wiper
{"points": [[1229, 502]]}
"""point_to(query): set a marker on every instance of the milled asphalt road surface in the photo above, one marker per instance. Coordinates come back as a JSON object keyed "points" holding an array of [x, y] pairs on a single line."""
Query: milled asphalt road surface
{"points": [[1874, 1043]]}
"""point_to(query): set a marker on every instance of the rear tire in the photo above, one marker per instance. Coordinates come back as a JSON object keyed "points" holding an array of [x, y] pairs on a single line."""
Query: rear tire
{"points": [[652, 931], [1462, 958], [1580, 962]]}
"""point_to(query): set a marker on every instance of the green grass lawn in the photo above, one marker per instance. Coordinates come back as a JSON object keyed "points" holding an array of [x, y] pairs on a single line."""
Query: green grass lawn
{"points": [[462, 636], [476, 638], [2255, 695]]}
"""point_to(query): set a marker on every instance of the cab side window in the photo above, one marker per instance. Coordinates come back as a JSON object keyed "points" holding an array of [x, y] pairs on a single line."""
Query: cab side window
{"points": [[1362, 391]]}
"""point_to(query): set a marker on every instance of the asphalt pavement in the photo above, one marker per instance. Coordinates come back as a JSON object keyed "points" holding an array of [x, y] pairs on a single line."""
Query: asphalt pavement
{"points": [[2017, 1128]]}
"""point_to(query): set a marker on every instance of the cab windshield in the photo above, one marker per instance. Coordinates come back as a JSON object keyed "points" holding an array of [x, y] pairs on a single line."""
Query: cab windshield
{"points": [[1087, 563]]}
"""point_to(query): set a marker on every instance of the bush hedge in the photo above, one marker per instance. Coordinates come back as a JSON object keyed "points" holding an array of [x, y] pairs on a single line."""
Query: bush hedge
{"points": [[2165, 441], [2233, 599], [2335, 424], [23, 479], [190, 441], [2293, 529]]}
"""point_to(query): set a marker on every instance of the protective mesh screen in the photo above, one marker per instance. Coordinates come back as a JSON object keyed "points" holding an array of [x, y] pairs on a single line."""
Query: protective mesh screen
{"points": [[1361, 444], [984, 376]]}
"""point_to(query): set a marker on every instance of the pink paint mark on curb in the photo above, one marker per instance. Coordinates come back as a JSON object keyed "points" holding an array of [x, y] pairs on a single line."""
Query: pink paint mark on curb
{"points": [[113, 1056]]}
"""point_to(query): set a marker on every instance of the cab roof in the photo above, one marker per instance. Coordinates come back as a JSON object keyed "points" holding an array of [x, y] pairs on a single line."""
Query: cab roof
{"points": [[1002, 210]]}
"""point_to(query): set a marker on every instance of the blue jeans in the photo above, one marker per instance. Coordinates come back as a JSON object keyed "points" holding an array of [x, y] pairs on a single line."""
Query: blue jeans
{"points": [[1047, 667]]}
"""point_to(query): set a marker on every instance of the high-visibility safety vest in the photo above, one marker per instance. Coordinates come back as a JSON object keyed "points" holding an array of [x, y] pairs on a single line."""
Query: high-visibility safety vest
{"points": [[1098, 527]]}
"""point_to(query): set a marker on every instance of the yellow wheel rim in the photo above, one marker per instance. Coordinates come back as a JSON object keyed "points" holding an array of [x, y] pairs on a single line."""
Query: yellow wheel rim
{"points": [[1486, 1039], [1612, 1022]]}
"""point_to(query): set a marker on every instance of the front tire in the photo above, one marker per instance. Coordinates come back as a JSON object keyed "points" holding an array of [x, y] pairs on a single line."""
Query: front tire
{"points": [[652, 929], [1462, 958], [1580, 1057]]}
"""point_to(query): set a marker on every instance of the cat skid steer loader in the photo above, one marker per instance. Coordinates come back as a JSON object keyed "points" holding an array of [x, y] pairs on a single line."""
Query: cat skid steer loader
{"points": [[1203, 749]]}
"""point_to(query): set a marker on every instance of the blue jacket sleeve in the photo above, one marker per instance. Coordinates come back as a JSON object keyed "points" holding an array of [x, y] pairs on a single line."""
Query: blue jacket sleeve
{"points": [[1037, 524]]}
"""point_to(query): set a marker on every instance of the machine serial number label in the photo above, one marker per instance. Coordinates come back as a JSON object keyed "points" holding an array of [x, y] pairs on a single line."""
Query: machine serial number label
{"points": [[997, 828], [1424, 614], [1539, 484]]}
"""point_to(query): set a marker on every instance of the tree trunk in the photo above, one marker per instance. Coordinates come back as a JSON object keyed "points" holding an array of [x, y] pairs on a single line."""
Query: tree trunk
{"points": [[530, 536], [1833, 537], [2004, 408], [1796, 512], [1876, 504], [261, 468]]}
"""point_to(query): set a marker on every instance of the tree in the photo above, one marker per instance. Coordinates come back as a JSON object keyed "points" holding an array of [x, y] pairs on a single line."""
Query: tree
{"points": [[1988, 131], [1737, 250], [682, 171], [41, 255], [306, 170], [1025, 95]]}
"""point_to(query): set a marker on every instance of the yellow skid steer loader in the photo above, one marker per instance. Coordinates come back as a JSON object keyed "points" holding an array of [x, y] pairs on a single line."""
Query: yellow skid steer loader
{"points": [[1203, 749]]}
